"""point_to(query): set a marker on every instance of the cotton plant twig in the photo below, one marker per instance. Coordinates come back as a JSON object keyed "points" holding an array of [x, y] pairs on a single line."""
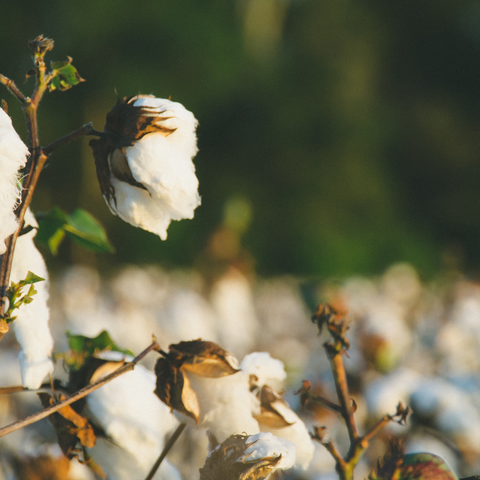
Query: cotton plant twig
{"points": [[36, 161], [336, 349], [78, 395], [168, 446]]}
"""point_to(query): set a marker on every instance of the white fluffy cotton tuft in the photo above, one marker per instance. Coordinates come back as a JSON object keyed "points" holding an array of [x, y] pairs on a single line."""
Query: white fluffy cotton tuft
{"points": [[13, 153], [163, 165], [31, 325], [133, 417], [266, 445], [226, 405], [269, 371]]}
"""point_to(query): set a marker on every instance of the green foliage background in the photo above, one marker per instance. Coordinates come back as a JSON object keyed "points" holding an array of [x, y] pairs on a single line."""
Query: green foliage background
{"points": [[351, 127]]}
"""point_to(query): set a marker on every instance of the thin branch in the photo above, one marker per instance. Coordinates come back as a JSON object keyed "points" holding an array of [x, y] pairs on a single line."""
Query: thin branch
{"points": [[340, 377], [78, 395], [166, 449], [13, 89], [383, 422], [87, 129]]}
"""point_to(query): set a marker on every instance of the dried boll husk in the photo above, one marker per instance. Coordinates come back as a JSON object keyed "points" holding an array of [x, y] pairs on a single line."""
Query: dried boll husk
{"points": [[200, 380], [245, 457], [144, 162]]}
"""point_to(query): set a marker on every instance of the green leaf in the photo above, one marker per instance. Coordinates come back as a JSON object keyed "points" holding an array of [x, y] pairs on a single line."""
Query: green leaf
{"points": [[31, 278], [65, 75], [82, 347], [87, 232], [80, 226], [50, 229]]}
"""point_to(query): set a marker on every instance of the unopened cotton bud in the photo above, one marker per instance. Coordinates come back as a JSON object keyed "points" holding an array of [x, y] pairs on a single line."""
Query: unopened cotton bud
{"points": [[144, 162], [13, 154], [31, 325]]}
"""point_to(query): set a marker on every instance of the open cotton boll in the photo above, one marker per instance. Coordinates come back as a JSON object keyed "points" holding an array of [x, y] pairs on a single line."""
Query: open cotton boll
{"points": [[131, 414], [31, 325], [265, 445], [267, 370], [296, 433], [13, 153], [226, 404], [144, 162]]}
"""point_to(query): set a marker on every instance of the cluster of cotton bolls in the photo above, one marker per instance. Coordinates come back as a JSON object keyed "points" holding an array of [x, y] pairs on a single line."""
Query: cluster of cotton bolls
{"points": [[422, 353]]}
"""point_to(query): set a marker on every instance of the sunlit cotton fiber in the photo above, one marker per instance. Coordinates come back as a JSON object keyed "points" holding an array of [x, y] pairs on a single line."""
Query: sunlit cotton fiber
{"points": [[149, 144], [13, 154], [31, 325]]}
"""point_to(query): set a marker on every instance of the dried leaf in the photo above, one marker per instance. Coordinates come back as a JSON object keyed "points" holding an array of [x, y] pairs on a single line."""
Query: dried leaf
{"points": [[270, 409], [205, 359], [71, 427], [173, 388]]}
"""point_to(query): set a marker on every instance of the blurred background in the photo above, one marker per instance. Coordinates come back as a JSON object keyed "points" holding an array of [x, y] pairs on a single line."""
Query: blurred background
{"points": [[335, 137]]}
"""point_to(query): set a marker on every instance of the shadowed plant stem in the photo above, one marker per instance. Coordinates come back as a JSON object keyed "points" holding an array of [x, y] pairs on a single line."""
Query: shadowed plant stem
{"points": [[166, 449]]}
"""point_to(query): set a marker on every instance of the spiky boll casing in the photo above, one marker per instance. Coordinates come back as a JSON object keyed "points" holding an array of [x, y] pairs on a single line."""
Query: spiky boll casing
{"points": [[144, 162]]}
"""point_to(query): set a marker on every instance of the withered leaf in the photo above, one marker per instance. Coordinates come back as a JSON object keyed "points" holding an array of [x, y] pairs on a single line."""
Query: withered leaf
{"points": [[173, 388], [205, 359], [43, 467], [71, 427], [271, 406]]}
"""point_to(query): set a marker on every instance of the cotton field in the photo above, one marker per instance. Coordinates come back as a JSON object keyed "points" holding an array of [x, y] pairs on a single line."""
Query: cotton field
{"points": [[411, 341]]}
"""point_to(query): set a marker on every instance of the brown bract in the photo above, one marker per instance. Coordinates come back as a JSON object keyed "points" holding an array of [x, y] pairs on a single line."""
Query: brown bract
{"points": [[205, 359], [125, 125], [71, 427], [269, 415], [228, 462]]}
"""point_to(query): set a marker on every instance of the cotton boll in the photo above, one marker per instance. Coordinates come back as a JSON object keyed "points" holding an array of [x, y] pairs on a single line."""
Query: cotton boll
{"points": [[383, 394], [267, 370], [130, 413], [265, 445], [13, 153], [296, 433], [226, 405], [31, 326], [232, 300], [144, 162], [186, 316]]}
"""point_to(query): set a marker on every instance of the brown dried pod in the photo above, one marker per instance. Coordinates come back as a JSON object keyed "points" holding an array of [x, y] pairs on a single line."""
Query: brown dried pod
{"points": [[71, 427], [173, 388], [205, 359], [271, 407]]}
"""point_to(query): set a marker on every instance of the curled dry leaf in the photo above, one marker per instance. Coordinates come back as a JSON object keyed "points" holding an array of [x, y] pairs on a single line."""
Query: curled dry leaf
{"points": [[205, 359], [71, 427], [173, 388], [270, 409]]}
